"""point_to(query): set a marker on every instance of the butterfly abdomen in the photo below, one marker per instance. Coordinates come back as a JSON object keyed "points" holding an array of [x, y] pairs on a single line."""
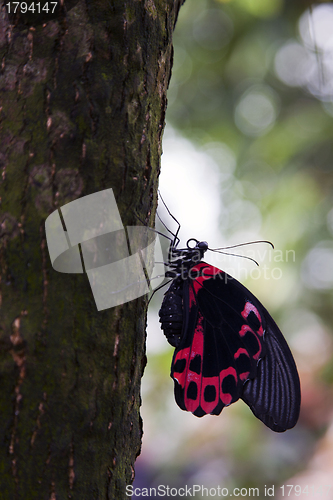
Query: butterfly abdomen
{"points": [[171, 315]]}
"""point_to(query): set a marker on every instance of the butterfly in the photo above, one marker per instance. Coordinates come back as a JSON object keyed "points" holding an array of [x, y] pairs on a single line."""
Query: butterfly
{"points": [[227, 346]]}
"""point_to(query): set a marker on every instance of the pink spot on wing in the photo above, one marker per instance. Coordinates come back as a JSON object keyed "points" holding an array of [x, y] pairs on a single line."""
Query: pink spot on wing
{"points": [[246, 329], [181, 376], [252, 308], [240, 351], [249, 307], [208, 406], [226, 398], [188, 376]]}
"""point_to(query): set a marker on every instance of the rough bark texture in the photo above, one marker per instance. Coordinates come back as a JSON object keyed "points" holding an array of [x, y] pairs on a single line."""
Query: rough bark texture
{"points": [[83, 98]]}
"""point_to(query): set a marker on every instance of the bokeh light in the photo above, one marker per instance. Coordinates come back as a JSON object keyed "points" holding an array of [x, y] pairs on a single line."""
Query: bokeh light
{"points": [[317, 269], [308, 61], [248, 155], [256, 110]]}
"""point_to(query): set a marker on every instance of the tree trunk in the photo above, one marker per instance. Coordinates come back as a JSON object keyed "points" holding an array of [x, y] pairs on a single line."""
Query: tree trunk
{"points": [[83, 99]]}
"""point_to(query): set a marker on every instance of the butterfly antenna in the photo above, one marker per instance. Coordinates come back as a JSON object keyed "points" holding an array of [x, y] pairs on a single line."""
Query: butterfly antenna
{"points": [[220, 250], [243, 244], [234, 254]]}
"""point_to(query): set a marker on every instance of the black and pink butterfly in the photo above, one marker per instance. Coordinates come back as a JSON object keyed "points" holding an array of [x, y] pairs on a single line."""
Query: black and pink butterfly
{"points": [[227, 344]]}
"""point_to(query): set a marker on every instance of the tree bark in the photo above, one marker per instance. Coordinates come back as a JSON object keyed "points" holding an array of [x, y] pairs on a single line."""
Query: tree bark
{"points": [[83, 100]]}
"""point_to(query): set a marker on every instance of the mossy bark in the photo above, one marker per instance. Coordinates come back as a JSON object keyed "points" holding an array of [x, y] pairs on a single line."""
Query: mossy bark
{"points": [[83, 99]]}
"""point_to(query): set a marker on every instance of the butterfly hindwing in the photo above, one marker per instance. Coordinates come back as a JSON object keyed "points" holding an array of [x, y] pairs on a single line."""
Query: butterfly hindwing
{"points": [[195, 368], [231, 348]]}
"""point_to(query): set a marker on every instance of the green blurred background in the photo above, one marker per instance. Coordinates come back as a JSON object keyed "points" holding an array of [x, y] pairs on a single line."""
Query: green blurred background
{"points": [[248, 155]]}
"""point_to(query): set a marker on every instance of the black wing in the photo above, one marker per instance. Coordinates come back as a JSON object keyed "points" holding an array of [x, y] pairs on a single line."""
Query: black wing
{"points": [[274, 395], [231, 348]]}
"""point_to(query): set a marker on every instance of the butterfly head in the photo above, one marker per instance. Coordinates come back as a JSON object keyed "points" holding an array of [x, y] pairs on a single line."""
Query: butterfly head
{"points": [[197, 250], [181, 260]]}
